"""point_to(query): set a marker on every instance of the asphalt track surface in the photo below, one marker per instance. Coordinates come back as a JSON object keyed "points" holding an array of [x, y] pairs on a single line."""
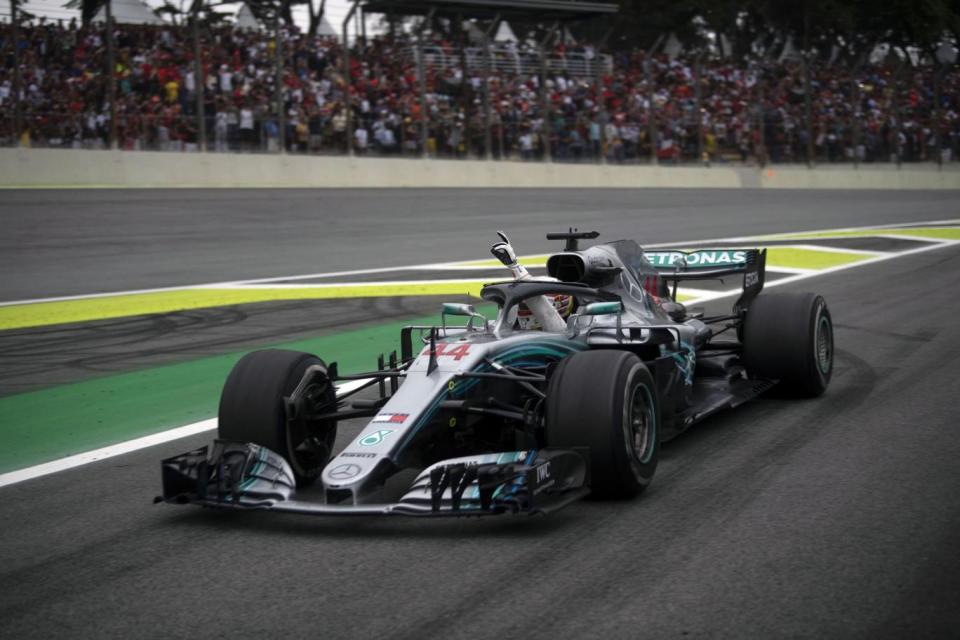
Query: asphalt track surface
{"points": [[837, 517], [63, 242]]}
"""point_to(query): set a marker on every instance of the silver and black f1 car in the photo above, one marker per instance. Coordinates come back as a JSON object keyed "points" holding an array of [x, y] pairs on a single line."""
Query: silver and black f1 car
{"points": [[507, 416]]}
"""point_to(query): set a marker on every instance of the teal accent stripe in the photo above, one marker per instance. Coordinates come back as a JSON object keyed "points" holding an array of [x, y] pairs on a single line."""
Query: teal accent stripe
{"points": [[261, 459], [553, 348]]}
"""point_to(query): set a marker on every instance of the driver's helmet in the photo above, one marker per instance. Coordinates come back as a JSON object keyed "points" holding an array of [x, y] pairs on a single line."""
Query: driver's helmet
{"points": [[563, 303]]}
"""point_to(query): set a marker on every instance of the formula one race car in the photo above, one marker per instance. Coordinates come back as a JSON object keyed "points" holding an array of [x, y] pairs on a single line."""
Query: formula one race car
{"points": [[569, 390]]}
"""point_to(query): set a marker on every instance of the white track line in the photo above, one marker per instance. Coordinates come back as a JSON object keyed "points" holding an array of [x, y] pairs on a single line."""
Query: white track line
{"points": [[91, 296], [698, 294], [829, 270], [81, 459], [798, 235], [897, 236], [441, 265], [96, 455], [470, 267], [336, 274], [334, 285], [826, 249], [772, 268], [230, 284]]}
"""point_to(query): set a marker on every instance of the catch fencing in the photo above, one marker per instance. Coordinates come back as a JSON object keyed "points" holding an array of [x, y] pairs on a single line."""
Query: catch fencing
{"points": [[527, 102]]}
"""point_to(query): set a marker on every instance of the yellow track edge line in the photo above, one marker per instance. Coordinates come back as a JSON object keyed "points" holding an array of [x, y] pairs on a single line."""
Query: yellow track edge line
{"points": [[25, 314], [84, 310], [75, 311]]}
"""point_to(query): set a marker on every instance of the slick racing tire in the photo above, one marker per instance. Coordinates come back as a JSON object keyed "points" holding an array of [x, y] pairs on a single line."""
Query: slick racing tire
{"points": [[607, 401], [789, 336], [252, 409]]}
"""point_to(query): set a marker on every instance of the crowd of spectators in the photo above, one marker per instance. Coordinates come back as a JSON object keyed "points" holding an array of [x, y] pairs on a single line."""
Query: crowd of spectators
{"points": [[748, 111]]}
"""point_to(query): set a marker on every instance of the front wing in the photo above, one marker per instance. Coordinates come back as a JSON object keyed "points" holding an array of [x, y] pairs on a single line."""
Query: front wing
{"points": [[239, 475]]}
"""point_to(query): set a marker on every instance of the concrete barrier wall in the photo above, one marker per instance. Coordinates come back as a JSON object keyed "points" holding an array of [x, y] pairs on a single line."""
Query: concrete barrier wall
{"points": [[80, 168], [866, 177]]}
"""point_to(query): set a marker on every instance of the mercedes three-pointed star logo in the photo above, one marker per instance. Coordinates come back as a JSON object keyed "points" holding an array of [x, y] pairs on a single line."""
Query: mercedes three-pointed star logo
{"points": [[345, 471]]}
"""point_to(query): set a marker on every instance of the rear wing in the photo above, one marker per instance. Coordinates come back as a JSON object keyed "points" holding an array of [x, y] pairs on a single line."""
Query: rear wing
{"points": [[709, 264]]}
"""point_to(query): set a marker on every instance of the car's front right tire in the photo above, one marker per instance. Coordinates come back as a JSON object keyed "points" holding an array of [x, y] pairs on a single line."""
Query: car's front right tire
{"points": [[252, 409]]}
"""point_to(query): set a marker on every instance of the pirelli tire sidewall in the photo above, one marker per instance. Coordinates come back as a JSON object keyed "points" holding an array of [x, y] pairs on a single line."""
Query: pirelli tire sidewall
{"points": [[789, 337], [592, 401]]}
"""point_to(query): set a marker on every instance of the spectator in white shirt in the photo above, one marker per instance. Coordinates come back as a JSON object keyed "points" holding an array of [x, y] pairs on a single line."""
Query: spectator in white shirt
{"points": [[361, 138]]}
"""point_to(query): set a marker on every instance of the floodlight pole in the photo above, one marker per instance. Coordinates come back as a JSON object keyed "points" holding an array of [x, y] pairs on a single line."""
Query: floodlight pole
{"points": [[946, 55], [761, 125], [857, 134], [464, 104], [896, 112], [346, 77], [698, 106], [422, 81], [598, 90], [17, 107], [278, 83], [652, 111], [808, 106], [856, 121], [937, 76], [198, 79], [544, 98], [111, 83], [488, 71]]}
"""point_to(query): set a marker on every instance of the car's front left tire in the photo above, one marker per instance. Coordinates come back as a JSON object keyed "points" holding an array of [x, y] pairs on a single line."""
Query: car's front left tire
{"points": [[606, 400]]}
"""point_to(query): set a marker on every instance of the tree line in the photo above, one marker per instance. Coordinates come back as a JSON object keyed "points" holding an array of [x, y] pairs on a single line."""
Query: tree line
{"points": [[827, 29], [847, 30]]}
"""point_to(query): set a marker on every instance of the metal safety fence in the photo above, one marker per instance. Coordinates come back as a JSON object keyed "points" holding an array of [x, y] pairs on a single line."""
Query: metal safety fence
{"points": [[528, 103], [511, 59]]}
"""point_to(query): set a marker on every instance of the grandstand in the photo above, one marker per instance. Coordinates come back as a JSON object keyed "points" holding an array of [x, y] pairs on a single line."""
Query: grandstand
{"points": [[533, 92]]}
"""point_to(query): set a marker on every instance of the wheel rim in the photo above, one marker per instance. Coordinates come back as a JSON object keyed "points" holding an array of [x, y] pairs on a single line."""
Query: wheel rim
{"points": [[642, 424], [309, 443], [308, 452], [824, 344], [311, 454]]}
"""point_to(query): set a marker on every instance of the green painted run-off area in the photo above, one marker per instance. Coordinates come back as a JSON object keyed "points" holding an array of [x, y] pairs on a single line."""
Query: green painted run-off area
{"points": [[51, 423]]}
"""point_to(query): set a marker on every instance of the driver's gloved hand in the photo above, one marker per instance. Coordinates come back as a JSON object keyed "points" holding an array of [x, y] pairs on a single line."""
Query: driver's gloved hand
{"points": [[503, 251]]}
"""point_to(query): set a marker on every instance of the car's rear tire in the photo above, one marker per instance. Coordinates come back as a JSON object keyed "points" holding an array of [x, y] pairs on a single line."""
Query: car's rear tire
{"points": [[789, 336], [607, 401], [252, 409]]}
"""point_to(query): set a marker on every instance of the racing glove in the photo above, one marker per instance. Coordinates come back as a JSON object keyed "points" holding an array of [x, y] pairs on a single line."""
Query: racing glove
{"points": [[540, 306], [503, 251]]}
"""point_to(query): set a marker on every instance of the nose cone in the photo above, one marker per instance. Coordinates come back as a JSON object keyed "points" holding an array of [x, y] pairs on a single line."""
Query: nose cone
{"points": [[342, 473]]}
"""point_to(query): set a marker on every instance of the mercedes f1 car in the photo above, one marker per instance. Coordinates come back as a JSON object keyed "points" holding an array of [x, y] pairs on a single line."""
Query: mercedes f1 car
{"points": [[569, 390]]}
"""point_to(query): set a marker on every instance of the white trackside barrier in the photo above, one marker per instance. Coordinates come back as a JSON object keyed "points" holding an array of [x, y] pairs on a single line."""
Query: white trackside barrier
{"points": [[81, 168]]}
